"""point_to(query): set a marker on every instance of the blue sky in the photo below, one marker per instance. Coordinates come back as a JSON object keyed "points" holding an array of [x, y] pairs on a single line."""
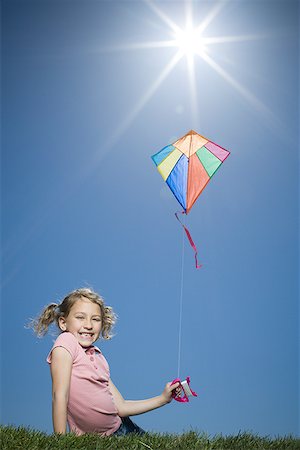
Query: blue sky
{"points": [[84, 108]]}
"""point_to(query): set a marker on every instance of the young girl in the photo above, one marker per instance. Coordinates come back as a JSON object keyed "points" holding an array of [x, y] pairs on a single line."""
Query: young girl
{"points": [[83, 394]]}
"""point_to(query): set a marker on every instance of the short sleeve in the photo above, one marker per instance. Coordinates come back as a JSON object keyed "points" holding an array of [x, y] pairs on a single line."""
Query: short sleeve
{"points": [[68, 341]]}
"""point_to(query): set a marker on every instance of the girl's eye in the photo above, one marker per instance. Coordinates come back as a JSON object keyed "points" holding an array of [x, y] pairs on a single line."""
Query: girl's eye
{"points": [[79, 317], [97, 319]]}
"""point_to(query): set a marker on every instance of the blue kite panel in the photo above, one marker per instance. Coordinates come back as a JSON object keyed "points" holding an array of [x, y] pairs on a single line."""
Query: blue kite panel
{"points": [[177, 180], [162, 154]]}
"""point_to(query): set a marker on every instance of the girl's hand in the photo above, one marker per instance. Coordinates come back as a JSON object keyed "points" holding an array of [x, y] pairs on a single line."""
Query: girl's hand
{"points": [[167, 393]]}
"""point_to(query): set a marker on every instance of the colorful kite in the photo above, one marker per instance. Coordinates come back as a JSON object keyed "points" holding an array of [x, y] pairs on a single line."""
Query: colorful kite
{"points": [[187, 166]]}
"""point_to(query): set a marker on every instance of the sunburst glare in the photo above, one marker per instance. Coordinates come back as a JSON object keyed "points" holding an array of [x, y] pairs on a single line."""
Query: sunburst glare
{"points": [[189, 43]]}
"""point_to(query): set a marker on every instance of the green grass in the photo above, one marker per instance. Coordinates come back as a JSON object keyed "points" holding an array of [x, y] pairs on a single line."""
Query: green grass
{"points": [[12, 438]]}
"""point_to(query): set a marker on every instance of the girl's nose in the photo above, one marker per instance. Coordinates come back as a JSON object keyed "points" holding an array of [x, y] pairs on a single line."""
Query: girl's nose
{"points": [[88, 324]]}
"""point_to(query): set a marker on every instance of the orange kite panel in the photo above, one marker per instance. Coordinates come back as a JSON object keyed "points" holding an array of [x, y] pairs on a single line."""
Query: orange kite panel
{"points": [[197, 180], [190, 143]]}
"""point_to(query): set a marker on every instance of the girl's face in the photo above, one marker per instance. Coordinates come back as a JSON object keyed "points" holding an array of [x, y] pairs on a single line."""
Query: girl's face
{"points": [[83, 321]]}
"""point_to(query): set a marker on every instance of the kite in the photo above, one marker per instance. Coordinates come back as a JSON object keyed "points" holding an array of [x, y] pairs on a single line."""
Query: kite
{"points": [[187, 166]]}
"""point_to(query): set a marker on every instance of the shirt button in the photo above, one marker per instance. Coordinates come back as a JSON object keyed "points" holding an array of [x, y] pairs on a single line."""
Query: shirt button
{"points": [[96, 367], [91, 358]]}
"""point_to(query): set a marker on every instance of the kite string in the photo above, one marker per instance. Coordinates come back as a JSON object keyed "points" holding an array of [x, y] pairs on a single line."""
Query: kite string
{"points": [[181, 306], [182, 278]]}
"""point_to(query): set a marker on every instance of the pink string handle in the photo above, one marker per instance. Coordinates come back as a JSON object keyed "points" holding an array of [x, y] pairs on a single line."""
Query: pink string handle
{"points": [[184, 398], [198, 266]]}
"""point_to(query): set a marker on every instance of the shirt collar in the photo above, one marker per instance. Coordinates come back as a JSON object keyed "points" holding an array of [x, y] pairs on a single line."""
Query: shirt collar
{"points": [[92, 349]]}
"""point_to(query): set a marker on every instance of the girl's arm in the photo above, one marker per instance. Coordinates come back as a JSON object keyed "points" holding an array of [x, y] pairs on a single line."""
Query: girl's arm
{"points": [[61, 368], [133, 407]]}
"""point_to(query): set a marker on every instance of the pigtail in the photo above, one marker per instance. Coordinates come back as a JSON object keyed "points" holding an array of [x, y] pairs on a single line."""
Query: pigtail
{"points": [[41, 324], [108, 321]]}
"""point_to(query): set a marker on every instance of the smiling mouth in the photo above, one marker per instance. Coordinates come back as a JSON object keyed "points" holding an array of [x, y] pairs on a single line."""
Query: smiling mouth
{"points": [[89, 335]]}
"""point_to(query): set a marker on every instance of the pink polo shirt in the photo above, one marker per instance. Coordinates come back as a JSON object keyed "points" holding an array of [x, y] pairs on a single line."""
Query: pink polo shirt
{"points": [[91, 408]]}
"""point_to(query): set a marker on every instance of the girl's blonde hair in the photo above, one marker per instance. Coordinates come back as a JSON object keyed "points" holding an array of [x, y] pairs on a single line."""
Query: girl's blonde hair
{"points": [[54, 311]]}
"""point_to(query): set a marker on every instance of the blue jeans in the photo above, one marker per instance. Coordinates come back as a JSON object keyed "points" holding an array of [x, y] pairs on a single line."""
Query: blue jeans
{"points": [[127, 427]]}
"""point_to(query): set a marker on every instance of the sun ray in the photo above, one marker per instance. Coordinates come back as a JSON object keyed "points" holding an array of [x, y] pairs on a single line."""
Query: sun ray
{"points": [[211, 16], [251, 98], [240, 38], [121, 129], [189, 13], [163, 16], [193, 91], [137, 46]]}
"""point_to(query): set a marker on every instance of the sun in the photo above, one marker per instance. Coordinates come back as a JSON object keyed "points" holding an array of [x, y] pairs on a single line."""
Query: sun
{"points": [[189, 41]]}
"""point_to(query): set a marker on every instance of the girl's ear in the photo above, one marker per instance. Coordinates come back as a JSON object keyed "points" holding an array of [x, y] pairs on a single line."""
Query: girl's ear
{"points": [[62, 323]]}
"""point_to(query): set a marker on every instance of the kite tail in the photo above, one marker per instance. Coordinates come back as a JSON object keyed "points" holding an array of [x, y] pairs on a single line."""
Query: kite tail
{"points": [[198, 266]]}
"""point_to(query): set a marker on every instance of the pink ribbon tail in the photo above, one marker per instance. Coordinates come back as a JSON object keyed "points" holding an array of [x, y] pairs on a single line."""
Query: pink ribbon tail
{"points": [[198, 266]]}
